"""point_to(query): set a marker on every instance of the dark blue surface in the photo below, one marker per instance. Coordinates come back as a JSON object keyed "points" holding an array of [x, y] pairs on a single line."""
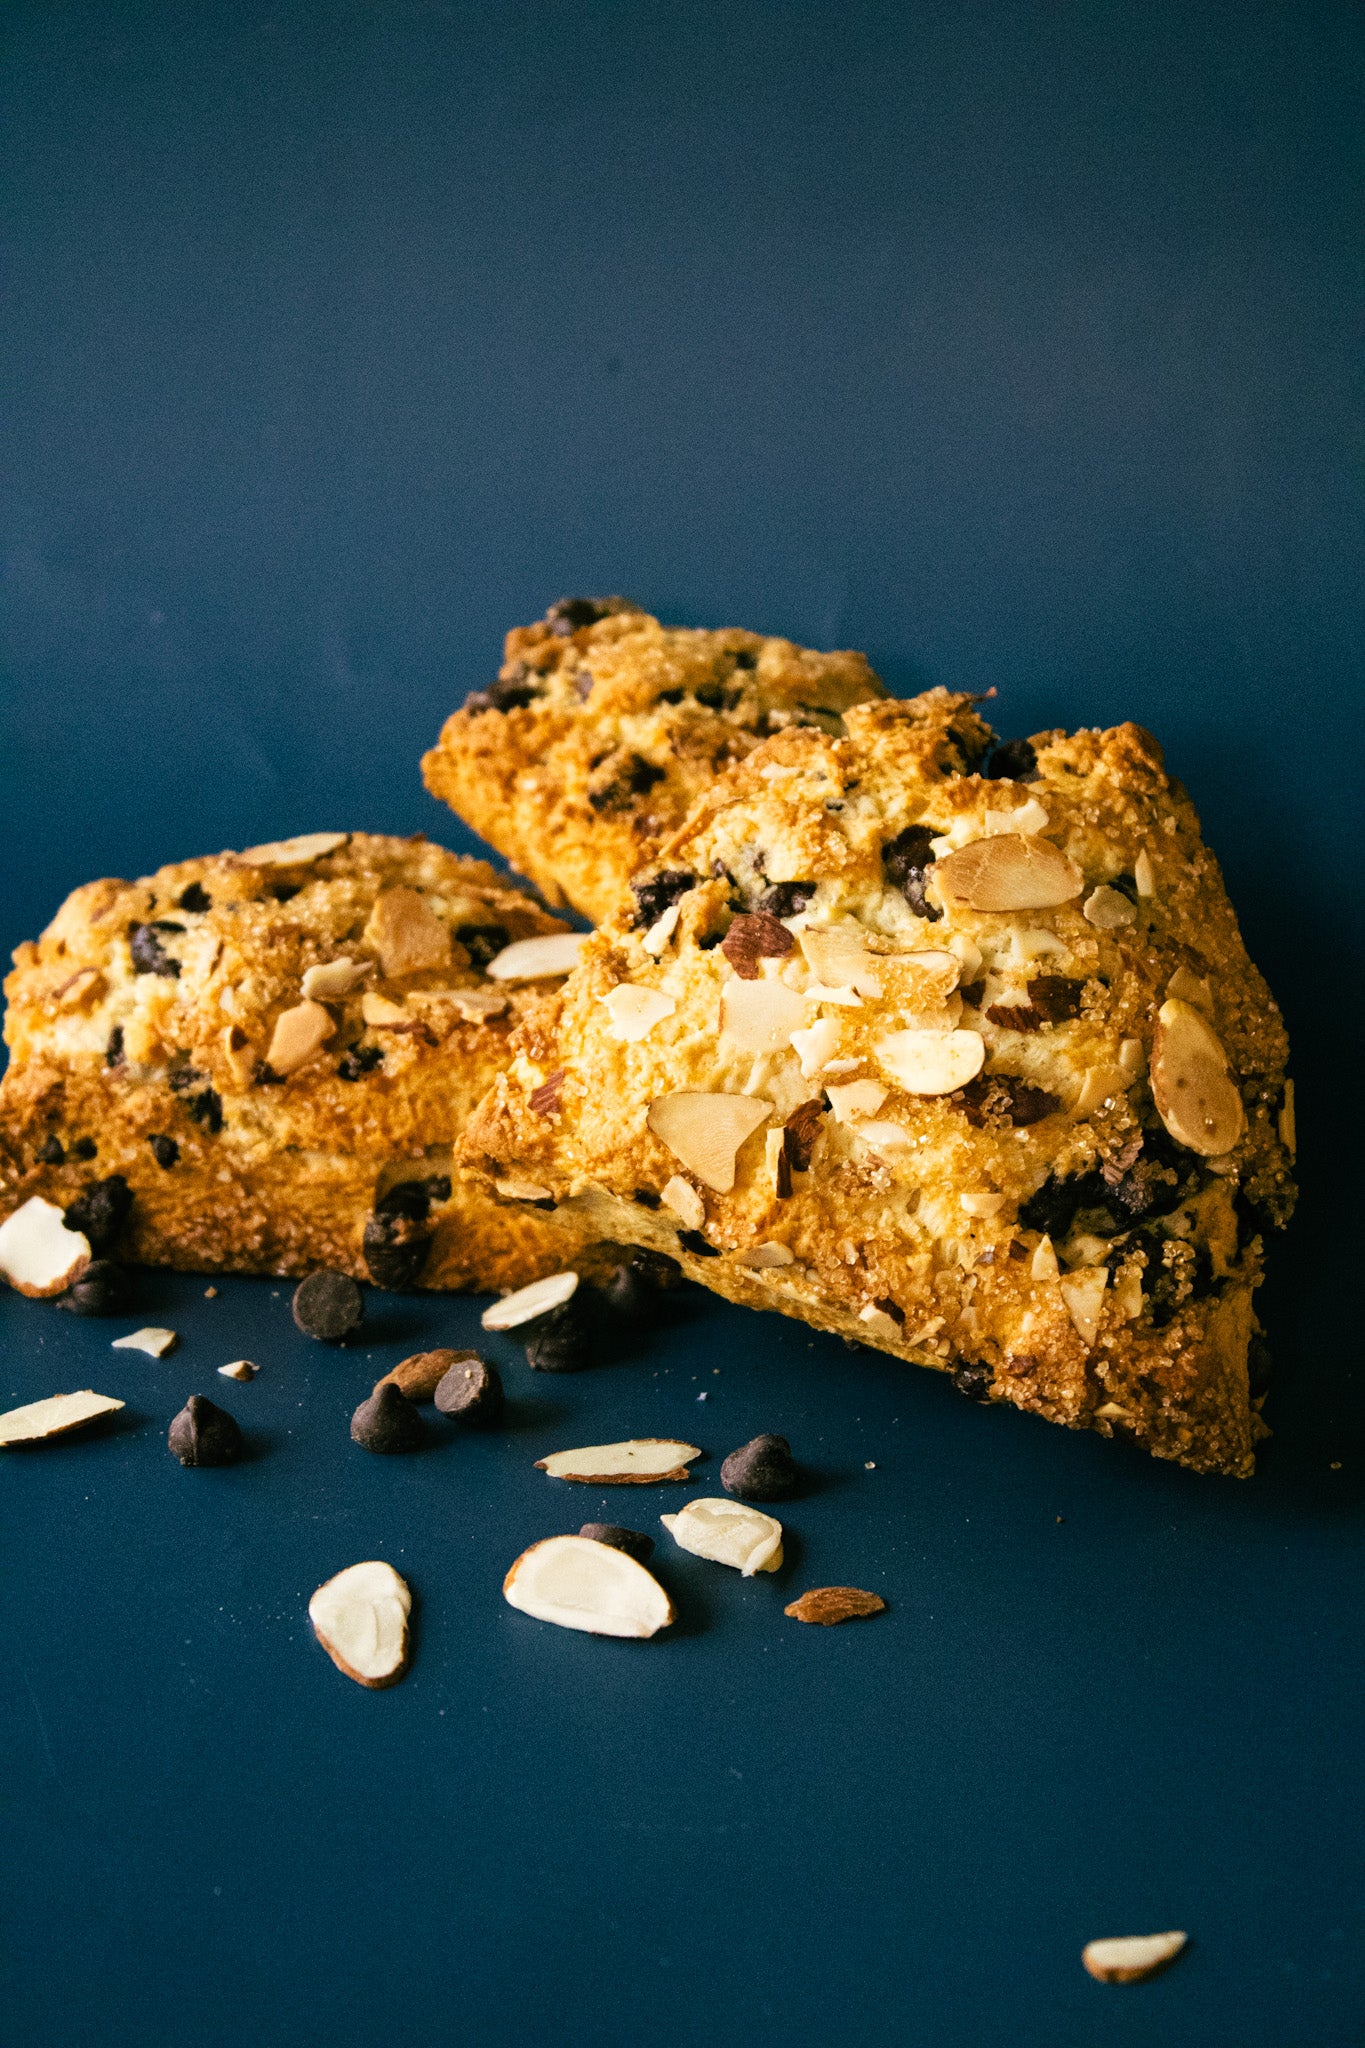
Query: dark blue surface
{"points": [[1016, 344]]}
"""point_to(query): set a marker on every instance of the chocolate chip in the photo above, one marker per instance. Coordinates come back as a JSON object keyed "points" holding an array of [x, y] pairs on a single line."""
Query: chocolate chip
{"points": [[1014, 1017], [509, 693], [972, 992], [634, 1289], [362, 1060], [145, 947], [800, 1132], [744, 657], [658, 893], [1020, 1364], [647, 1198], [974, 1381], [762, 1469], [207, 1109], [754, 936], [100, 1211], [1055, 997], [559, 1341], [395, 1245], [103, 1289], [328, 1306], [183, 1078], [1052, 1208], [194, 898], [635, 1545], [113, 1052], [694, 1242], [786, 899], [84, 1148], [410, 1198], [1006, 1097], [285, 892], [51, 1152], [470, 1391], [890, 1308], [483, 942], [568, 615], [629, 777], [165, 1151], [387, 1422], [906, 861], [1012, 761], [205, 1434]]}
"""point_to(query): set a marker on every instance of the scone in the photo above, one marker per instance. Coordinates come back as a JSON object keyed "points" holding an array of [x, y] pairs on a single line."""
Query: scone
{"points": [[604, 728], [952, 1049], [271, 1052]]}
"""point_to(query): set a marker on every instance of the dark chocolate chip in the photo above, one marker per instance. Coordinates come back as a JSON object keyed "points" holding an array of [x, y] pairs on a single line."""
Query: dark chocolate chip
{"points": [[657, 893], [890, 1308], [328, 1306], [285, 892], [387, 1422], [100, 1211], [786, 899], [194, 898], [975, 1381], [84, 1148], [635, 1545], [183, 1078], [103, 1289], [1012, 761], [508, 693], [470, 1391], [631, 776], [395, 1245], [744, 657], [482, 942], [205, 1434], [145, 947], [165, 1151], [800, 1132], [568, 615], [634, 1289], [1056, 997], [561, 1340], [716, 697], [1014, 1017], [207, 1108], [1008, 1097], [410, 1198], [670, 696], [113, 1052], [694, 1242], [972, 992], [362, 1060], [906, 861], [51, 1152], [647, 1198], [762, 1469]]}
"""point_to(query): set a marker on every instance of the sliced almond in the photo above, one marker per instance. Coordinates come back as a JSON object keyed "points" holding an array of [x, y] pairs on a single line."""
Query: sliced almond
{"points": [[1098, 1086], [1188, 987], [1129, 1958], [407, 934], [842, 998], [527, 1303], [38, 1420], [662, 930], [1132, 1059], [879, 1324], [83, 987], [39, 1256], [706, 1131], [634, 1010], [299, 1034], [1044, 1264], [728, 1532], [887, 1138], [643, 1461], [291, 853], [681, 1197], [1008, 872], [361, 1620], [513, 1190], [982, 1202], [1143, 874], [827, 1605], [154, 1341], [765, 1256], [381, 1013], [537, 959], [932, 1062], [1285, 1122], [837, 955], [577, 1582], [1083, 1293], [854, 1099], [760, 1016], [1107, 909], [334, 979], [477, 1005], [1026, 819], [1195, 1095], [816, 1047], [239, 1369], [241, 1061]]}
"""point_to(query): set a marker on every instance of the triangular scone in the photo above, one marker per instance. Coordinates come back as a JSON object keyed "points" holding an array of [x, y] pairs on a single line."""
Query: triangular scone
{"points": [[955, 1052], [604, 728], [271, 1054]]}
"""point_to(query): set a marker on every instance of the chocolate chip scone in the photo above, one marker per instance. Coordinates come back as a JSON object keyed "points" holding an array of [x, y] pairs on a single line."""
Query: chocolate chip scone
{"points": [[953, 1049], [604, 728], [258, 1062]]}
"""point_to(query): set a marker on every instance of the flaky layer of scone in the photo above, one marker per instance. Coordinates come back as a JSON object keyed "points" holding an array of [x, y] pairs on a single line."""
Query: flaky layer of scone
{"points": [[883, 1046], [604, 727], [142, 1027]]}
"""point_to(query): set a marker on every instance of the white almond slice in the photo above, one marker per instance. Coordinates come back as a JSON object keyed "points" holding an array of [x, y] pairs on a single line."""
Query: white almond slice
{"points": [[837, 956], [816, 1046], [291, 853], [968, 954], [477, 1005], [1129, 1958], [537, 959], [764, 1256], [528, 1302], [879, 1324], [336, 978], [1195, 1095], [240, 1369], [1083, 1293], [1107, 909], [361, 1619], [1143, 874], [1045, 1266], [681, 1197], [760, 1016], [1191, 988], [706, 1131], [843, 998], [856, 1099], [576, 1582], [381, 1013], [982, 1202], [891, 1140], [662, 930], [38, 1420], [155, 1342], [299, 1033], [727, 1532], [513, 1190], [634, 1010], [1127, 1296], [839, 1067], [643, 1461], [39, 1256], [1027, 817], [932, 1062], [1008, 873], [1100, 1085], [1132, 1059]]}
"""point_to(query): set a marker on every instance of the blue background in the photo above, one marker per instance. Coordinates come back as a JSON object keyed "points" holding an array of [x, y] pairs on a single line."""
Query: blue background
{"points": [[1016, 344]]}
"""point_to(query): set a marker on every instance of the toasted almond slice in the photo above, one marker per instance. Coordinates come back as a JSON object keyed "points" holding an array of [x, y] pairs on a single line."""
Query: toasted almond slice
{"points": [[334, 979], [292, 853], [643, 1461], [526, 1303], [1144, 875], [239, 1369], [39, 1256], [816, 1047], [855, 1099], [537, 959], [1107, 909], [1188, 987], [837, 954], [842, 998], [407, 934], [1008, 872], [577, 1582], [1132, 1059], [477, 1005], [38, 1420], [513, 1190], [82, 987], [299, 1033], [381, 1013], [1195, 1095], [827, 1605], [1026, 818], [1098, 1086], [887, 1138], [1129, 1958], [728, 1532], [361, 1619], [834, 1068], [681, 1197], [634, 1010], [764, 1256], [1044, 1264], [1083, 1293], [662, 930], [982, 1202], [154, 1341], [706, 1131], [932, 1062], [760, 1016], [879, 1324], [1285, 1123]]}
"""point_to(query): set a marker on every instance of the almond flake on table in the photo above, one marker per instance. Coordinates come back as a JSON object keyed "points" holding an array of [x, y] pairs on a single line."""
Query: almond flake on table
{"points": [[579, 1582], [1132, 1958], [641, 1461], [36, 1421], [360, 1617], [727, 1532], [155, 1342]]}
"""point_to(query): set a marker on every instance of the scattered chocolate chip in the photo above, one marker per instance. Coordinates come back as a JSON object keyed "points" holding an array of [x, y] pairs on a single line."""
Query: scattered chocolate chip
{"points": [[182, 1078], [165, 1151], [205, 1434], [647, 1198], [906, 861], [113, 1052], [145, 947], [635, 1545], [100, 1211], [483, 942], [754, 936], [568, 615], [51, 1152], [762, 1469], [207, 1108], [890, 1308], [694, 1242], [409, 1198], [670, 696], [634, 776], [395, 1245], [1012, 761], [328, 1306], [387, 1422], [508, 693], [363, 1060], [786, 899], [972, 992], [559, 1341], [103, 1289], [782, 1178], [470, 1390], [285, 892], [744, 657], [1055, 997], [975, 1381], [632, 1293], [800, 1132], [84, 1148], [194, 898], [1007, 1097], [545, 1099], [658, 893]]}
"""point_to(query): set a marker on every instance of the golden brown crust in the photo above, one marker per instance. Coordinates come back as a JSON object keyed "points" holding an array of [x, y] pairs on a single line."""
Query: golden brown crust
{"points": [[266, 1173], [597, 740], [1032, 1227]]}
